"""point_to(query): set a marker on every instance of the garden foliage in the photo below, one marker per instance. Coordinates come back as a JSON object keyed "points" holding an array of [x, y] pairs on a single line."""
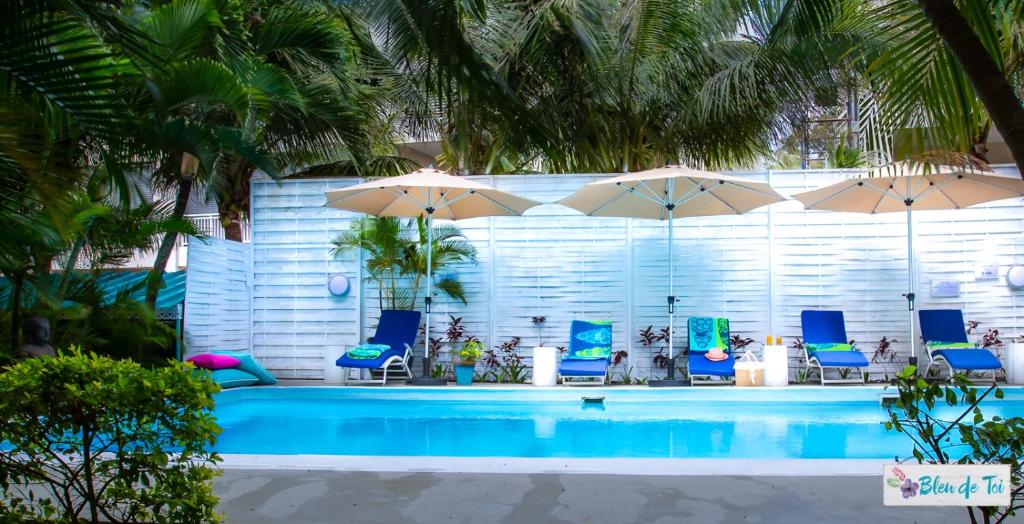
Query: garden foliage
{"points": [[93, 439]]}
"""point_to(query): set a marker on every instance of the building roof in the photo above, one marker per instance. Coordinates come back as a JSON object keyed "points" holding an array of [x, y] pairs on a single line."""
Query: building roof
{"points": [[113, 282]]}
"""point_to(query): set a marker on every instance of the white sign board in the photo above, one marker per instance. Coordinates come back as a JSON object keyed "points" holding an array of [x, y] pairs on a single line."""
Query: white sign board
{"points": [[946, 485], [945, 288], [987, 271]]}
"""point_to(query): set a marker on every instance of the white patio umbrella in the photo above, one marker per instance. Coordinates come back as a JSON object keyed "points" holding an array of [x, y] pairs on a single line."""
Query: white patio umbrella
{"points": [[667, 193], [905, 186], [428, 192]]}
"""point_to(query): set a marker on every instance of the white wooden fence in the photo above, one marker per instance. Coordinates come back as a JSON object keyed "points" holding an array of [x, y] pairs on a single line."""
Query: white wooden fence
{"points": [[218, 294], [760, 270]]}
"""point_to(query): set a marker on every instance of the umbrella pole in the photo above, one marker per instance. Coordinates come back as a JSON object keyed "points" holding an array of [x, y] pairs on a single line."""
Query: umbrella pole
{"points": [[427, 300], [671, 299], [910, 278]]}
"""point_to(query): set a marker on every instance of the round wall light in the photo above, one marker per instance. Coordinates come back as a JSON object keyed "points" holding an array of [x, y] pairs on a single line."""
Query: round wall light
{"points": [[1015, 277], [338, 285]]}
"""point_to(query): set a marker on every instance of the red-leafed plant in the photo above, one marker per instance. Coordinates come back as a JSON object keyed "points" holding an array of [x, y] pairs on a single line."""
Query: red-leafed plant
{"points": [[456, 330], [648, 338], [737, 342], [538, 322], [505, 362], [618, 356], [884, 351], [991, 340]]}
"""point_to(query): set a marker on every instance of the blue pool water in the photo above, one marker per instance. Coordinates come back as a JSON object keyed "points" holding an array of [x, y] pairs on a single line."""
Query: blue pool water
{"points": [[678, 423]]}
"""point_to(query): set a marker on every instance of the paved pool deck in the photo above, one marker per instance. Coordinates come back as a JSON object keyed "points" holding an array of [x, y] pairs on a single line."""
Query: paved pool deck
{"points": [[259, 496]]}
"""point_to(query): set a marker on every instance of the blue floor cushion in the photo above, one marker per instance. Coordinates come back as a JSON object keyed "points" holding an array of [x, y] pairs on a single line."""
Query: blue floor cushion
{"points": [[233, 378], [249, 365]]}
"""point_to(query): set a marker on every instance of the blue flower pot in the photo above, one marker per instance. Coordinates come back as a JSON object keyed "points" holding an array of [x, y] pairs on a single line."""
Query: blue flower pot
{"points": [[464, 374]]}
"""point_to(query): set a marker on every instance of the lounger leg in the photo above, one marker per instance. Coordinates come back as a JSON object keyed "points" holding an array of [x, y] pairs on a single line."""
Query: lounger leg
{"points": [[384, 381]]}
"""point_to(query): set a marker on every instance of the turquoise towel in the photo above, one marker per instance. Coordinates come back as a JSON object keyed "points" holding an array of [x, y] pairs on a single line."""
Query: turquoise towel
{"points": [[367, 351]]}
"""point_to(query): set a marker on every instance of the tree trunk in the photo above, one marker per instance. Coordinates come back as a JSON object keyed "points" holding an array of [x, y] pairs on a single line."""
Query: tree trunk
{"points": [[234, 201], [163, 254], [17, 282], [231, 220], [991, 84]]}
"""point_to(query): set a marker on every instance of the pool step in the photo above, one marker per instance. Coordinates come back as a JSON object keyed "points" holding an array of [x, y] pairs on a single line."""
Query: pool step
{"points": [[888, 398]]}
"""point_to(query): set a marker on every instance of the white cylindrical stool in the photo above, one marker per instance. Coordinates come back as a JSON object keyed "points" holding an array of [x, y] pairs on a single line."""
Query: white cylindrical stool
{"points": [[333, 373], [545, 366], [776, 366], [1015, 363]]}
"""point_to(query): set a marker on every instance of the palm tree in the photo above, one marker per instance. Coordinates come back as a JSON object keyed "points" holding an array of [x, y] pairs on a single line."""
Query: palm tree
{"points": [[194, 111], [315, 108], [61, 118], [980, 39], [891, 55], [395, 257], [603, 85]]}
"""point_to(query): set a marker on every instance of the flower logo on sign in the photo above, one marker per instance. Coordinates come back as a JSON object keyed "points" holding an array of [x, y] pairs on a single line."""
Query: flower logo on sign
{"points": [[909, 488]]}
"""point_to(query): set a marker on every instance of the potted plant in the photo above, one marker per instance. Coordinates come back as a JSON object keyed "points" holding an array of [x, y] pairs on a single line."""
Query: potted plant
{"points": [[545, 358], [1015, 360], [468, 355]]}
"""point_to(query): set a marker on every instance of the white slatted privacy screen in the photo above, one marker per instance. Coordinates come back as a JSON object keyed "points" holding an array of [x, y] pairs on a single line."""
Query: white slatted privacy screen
{"points": [[759, 270], [217, 295]]}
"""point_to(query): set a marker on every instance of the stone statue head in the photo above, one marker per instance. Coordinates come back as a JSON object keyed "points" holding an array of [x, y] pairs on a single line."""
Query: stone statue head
{"points": [[37, 331]]}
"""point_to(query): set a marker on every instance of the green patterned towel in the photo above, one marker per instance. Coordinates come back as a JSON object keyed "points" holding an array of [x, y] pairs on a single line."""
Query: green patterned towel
{"points": [[830, 346], [594, 353], [367, 351], [949, 345]]}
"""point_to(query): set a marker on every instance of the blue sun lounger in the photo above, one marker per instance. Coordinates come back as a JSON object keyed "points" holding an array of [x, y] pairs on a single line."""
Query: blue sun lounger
{"points": [[826, 346], [946, 343], [590, 354], [391, 344], [706, 333]]}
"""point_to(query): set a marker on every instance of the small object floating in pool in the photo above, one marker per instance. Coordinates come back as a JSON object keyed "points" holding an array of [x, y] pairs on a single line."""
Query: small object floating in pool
{"points": [[888, 398], [593, 400]]}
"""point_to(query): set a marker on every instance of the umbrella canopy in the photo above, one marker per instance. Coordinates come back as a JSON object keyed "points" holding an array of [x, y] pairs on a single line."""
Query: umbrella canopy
{"points": [[906, 186], [667, 193], [428, 192], [929, 187], [414, 195], [675, 191]]}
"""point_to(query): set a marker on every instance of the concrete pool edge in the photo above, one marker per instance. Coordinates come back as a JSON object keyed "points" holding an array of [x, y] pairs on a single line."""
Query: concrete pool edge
{"points": [[599, 466]]}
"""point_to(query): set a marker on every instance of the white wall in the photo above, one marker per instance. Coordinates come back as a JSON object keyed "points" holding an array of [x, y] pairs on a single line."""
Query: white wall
{"points": [[760, 270], [217, 295]]}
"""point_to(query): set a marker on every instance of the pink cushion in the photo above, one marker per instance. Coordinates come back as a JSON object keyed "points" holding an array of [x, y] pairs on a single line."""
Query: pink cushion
{"points": [[211, 361]]}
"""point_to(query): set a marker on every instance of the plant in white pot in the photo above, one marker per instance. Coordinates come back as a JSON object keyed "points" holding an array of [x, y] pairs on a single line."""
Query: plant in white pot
{"points": [[538, 322], [467, 356], [1014, 365]]}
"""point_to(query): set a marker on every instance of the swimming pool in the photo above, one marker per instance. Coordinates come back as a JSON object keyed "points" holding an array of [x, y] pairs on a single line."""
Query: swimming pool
{"points": [[816, 423]]}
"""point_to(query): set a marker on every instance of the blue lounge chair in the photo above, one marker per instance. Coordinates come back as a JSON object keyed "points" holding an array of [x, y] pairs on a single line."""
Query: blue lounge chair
{"points": [[395, 336], [946, 343], [590, 354], [826, 346], [707, 333]]}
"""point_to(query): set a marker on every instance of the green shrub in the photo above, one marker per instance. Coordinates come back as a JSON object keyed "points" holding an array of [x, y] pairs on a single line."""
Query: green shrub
{"points": [[89, 438], [968, 438]]}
